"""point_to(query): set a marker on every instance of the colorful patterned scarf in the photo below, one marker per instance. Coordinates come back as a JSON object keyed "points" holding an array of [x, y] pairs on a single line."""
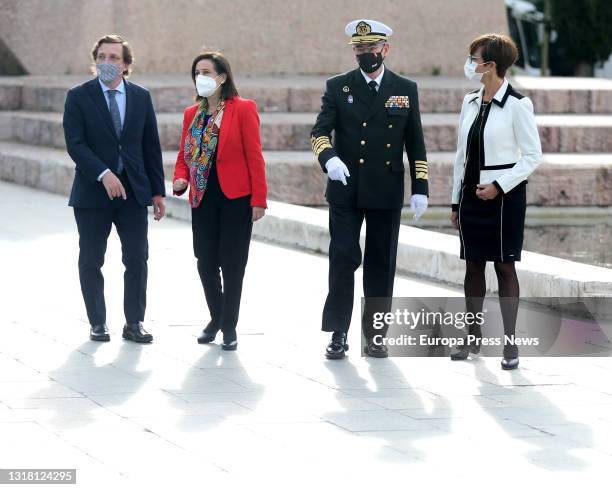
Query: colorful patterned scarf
{"points": [[200, 144]]}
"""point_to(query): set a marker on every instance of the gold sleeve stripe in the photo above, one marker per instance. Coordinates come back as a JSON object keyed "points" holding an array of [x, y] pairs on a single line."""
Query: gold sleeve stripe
{"points": [[420, 161], [320, 139], [319, 144]]}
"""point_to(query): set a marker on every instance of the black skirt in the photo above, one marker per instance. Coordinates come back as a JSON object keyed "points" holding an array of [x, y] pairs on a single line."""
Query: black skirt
{"points": [[492, 230]]}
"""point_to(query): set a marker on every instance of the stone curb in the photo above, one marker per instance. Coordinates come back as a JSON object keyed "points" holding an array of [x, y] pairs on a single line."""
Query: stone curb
{"points": [[303, 93], [291, 131]]}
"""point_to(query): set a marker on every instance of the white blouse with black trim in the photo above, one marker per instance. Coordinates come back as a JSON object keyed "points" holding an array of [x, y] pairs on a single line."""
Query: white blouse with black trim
{"points": [[510, 139]]}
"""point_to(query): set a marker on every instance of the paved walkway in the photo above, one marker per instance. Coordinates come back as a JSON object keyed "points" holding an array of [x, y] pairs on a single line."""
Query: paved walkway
{"points": [[275, 412]]}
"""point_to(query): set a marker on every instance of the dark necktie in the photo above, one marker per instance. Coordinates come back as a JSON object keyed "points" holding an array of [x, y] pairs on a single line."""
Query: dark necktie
{"points": [[116, 117], [373, 86]]}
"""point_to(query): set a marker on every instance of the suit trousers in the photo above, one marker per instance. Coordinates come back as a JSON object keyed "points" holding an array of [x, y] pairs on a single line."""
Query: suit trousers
{"points": [[221, 239], [94, 226], [382, 231]]}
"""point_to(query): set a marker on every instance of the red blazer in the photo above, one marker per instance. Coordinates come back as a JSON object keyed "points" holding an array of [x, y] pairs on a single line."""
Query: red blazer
{"points": [[240, 163]]}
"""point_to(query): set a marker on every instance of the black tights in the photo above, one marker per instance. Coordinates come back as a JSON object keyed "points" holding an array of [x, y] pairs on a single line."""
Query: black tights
{"points": [[475, 289]]}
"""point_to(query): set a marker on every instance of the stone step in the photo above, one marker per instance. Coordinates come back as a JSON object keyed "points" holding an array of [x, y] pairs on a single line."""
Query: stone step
{"points": [[555, 95], [294, 177], [290, 131], [561, 179]]}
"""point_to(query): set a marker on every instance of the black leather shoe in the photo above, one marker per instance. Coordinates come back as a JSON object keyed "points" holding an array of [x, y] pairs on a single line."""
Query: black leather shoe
{"points": [[373, 349], [230, 340], [136, 333], [337, 347], [99, 333], [208, 334]]}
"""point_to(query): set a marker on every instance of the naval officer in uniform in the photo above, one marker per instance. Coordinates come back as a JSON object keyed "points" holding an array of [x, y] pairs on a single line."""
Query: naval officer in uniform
{"points": [[373, 114]]}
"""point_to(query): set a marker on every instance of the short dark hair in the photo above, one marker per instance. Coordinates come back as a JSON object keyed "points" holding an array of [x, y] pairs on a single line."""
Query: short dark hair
{"points": [[128, 56], [222, 67], [496, 47]]}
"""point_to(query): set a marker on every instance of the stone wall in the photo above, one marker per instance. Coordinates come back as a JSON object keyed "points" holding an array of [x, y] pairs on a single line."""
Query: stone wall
{"points": [[259, 37]]}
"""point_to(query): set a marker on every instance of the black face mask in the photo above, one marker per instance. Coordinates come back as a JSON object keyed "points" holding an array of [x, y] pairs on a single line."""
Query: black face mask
{"points": [[370, 62]]}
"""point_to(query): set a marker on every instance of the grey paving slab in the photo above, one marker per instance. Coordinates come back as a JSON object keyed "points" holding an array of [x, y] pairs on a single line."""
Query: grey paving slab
{"points": [[275, 410]]}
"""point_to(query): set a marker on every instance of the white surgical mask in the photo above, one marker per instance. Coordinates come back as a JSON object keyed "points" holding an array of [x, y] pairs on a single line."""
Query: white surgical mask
{"points": [[206, 86], [470, 70]]}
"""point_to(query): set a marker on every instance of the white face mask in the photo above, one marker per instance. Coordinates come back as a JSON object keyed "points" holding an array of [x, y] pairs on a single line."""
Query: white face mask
{"points": [[470, 70], [206, 86]]}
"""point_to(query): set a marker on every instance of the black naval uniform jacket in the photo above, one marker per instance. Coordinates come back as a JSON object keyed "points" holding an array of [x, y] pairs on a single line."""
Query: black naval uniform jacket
{"points": [[370, 134]]}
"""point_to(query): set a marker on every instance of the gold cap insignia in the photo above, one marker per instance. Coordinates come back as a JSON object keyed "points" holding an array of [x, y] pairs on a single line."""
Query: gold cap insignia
{"points": [[367, 31], [363, 28]]}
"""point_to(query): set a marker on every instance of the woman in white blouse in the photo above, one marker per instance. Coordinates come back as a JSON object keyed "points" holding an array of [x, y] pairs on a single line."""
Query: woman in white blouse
{"points": [[498, 148]]}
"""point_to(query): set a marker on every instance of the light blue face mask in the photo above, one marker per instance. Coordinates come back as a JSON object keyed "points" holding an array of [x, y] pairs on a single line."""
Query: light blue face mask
{"points": [[107, 71]]}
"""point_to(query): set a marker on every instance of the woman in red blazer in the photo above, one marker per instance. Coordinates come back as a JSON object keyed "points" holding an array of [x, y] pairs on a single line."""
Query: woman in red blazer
{"points": [[221, 162]]}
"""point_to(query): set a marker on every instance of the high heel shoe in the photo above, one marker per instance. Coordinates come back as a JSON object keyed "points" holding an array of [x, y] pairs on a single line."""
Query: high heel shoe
{"points": [[470, 346], [509, 363], [511, 359], [464, 351]]}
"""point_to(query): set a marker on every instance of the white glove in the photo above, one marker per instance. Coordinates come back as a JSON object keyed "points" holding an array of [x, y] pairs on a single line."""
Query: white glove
{"points": [[336, 170], [418, 204]]}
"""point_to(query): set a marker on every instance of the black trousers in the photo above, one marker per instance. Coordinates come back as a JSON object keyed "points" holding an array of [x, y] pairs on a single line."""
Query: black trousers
{"points": [[221, 238], [382, 230], [94, 226]]}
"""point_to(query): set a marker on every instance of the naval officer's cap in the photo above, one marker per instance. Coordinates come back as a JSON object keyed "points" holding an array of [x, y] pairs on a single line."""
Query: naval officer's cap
{"points": [[364, 31]]}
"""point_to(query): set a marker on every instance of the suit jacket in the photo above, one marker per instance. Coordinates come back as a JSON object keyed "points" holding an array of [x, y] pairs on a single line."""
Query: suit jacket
{"points": [[93, 144], [239, 159], [371, 132]]}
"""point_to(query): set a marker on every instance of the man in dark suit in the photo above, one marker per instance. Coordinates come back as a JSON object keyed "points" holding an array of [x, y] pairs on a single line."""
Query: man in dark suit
{"points": [[374, 115], [111, 134]]}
